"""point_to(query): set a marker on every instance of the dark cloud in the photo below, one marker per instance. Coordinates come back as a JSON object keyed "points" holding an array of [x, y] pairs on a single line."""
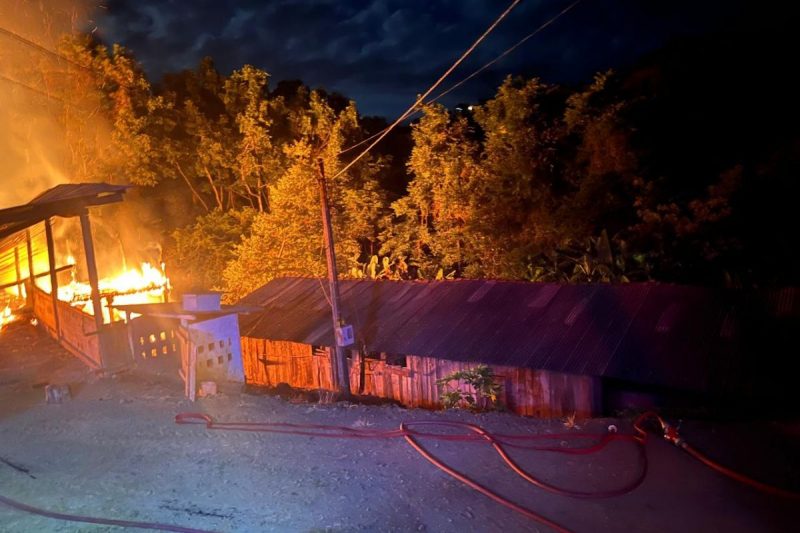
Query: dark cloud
{"points": [[382, 53]]}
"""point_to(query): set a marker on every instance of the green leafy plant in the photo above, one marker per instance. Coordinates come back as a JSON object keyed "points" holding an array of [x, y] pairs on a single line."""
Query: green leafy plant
{"points": [[595, 260], [475, 388], [381, 268]]}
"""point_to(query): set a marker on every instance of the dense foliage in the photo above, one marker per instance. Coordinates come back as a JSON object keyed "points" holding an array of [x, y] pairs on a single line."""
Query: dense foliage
{"points": [[658, 172]]}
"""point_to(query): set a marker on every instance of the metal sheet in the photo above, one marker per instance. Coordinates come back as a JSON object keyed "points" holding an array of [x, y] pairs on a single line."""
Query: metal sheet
{"points": [[650, 333]]}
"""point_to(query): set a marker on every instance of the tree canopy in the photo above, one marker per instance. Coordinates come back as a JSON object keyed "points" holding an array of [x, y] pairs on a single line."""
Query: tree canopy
{"points": [[657, 172]]}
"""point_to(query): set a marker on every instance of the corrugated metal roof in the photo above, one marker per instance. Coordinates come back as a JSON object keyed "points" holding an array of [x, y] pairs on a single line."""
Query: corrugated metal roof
{"points": [[87, 192], [652, 333], [67, 199]]}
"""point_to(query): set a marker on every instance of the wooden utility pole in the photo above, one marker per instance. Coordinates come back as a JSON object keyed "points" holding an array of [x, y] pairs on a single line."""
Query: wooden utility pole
{"points": [[339, 366]]}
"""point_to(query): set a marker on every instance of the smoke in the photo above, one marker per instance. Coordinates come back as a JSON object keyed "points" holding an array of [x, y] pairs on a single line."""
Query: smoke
{"points": [[52, 126], [37, 96]]}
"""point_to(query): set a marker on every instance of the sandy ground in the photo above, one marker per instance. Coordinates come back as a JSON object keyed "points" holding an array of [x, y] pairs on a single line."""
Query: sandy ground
{"points": [[114, 451]]}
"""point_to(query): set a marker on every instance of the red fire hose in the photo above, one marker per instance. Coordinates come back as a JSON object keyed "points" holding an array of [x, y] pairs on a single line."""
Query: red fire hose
{"points": [[499, 442], [671, 434], [154, 526], [474, 433]]}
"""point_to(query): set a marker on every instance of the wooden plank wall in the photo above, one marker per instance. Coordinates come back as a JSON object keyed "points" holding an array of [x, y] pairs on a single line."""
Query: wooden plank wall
{"points": [[270, 363], [527, 392], [77, 333], [43, 309], [383, 381]]}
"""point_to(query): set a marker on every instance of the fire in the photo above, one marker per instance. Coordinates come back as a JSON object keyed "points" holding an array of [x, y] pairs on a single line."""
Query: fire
{"points": [[137, 285], [146, 283], [6, 317]]}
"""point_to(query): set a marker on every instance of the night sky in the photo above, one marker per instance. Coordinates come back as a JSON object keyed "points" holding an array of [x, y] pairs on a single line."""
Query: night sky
{"points": [[382, 53]]}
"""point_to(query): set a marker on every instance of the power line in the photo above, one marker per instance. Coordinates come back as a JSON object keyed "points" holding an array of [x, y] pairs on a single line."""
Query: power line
{"points": [[65, 103], [40, 48], [438, 82], [504, 54], [475, 73], [44, 50], [34, 89]]}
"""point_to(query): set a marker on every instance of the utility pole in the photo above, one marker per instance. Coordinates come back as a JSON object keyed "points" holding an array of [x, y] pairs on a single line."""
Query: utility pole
{"points": [[341, 372]]}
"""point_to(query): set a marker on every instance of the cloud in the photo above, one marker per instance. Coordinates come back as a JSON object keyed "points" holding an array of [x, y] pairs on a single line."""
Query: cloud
{"points": [[364, 47]]}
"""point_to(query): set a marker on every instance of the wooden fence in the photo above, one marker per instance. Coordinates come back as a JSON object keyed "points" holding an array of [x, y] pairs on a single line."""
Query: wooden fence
{"points": [[525, 391]]}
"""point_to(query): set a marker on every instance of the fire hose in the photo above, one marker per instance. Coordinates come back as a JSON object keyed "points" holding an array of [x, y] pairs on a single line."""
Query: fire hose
{"points": [[670, 434], [500, 442], [474, 433], [96, 520]]}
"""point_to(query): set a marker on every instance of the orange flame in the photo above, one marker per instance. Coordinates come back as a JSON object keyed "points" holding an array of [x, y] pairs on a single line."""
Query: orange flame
{"points": [[137, 285], [6, 317]]}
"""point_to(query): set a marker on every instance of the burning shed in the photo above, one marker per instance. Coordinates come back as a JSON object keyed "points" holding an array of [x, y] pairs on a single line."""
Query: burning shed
{"points": [[77, 314], [554, 348]]}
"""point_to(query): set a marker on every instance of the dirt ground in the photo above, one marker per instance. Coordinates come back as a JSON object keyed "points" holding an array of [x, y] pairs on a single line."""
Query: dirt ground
{"points": [[114, 451]]}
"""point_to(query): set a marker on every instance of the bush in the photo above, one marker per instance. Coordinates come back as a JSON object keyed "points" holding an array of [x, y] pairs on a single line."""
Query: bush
{"points": [[481, 392]]}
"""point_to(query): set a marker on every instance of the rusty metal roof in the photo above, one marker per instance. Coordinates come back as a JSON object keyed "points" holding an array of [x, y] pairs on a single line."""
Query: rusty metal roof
{"points": [[65, 200], [651, 333]]}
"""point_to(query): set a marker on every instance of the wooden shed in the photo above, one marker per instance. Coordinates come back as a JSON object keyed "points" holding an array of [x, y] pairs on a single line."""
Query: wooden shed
{"points": [[553, 347], [26, 234]]}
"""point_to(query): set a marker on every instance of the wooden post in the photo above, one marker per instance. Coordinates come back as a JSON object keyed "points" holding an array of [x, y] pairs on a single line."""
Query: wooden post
{"points": [[91, 266], [51, 259], [129, 331], [17, 271], [339, 359], [165, 290], [31, 277]]}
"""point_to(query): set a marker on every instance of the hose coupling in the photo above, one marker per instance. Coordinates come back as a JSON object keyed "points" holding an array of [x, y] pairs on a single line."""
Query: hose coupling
{"points": [[671, 435]]}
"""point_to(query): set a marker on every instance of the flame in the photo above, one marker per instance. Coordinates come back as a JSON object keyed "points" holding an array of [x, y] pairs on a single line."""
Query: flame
{"points": [[147, 283], [137, 285], [6, 317]]}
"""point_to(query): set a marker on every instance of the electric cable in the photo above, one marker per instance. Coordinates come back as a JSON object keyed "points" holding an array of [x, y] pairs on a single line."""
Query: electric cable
{"points": [[504, 54], [475, 73], [34, 89], [40, 48], [422, 97]]}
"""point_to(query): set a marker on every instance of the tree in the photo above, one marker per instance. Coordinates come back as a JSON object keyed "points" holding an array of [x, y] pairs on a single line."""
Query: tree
{"points": [[287, 240], [602, 167], [106, 116], [519, 195], [431, 224], [203, 249], [483, 194]]}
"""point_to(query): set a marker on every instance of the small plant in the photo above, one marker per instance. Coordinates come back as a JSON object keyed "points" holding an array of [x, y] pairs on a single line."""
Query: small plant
{"points": [[481, 392], [362, 423], [569, 422], [326, 397]]}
